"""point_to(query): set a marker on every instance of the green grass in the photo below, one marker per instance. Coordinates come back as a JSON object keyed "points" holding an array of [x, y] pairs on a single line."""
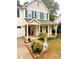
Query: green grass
{"points": [[58, 35], [54, 50]]}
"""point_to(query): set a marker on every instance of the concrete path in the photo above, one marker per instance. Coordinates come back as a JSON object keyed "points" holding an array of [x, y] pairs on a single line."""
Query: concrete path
{"points": [[22, 51]]}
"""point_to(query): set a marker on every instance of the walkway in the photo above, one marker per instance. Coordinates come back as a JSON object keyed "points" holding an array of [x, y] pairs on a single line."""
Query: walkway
{"points": [[22, 51]]}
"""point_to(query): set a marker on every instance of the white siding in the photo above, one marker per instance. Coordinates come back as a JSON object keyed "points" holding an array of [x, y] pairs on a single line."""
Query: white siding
{"points": [[21, 31], [34, 7], [21, 22]]}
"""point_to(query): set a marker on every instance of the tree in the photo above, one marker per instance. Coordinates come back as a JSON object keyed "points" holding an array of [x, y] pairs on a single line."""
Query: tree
{"points": [[42, 36], [53, 8]]}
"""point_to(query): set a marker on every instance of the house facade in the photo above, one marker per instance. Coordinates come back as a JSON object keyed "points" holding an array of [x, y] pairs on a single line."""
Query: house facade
{"points": [[33, 18]]}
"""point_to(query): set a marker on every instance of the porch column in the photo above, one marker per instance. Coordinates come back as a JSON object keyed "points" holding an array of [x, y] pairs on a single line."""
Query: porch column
{"points": [[27, 31], [39, 28], [56, 31], [48, 31]]}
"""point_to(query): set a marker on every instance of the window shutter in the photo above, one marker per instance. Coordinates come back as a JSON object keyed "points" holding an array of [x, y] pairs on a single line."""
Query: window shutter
{"points": [[25, 12], [42, 15], [35, 14], [18, 13], [47, 16], [32, 14]]}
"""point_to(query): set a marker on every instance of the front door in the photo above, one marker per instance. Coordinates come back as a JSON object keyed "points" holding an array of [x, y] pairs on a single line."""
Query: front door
{"points": [[32, 30]]}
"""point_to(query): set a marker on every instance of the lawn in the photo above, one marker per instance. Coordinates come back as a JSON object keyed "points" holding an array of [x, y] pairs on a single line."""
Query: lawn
{"points": [[54, 50]]}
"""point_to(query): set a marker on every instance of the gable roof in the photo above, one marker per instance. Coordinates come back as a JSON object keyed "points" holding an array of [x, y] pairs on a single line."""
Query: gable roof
{"points": [[33, 20], [38, 1], [43, 22]]}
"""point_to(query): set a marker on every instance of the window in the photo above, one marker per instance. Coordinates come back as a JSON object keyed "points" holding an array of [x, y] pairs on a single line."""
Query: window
{"points": [[34, 14], [41, 15], [18, 26], [46, 29], [38, 15], [25, 13], [47, 16], [29, 13], [40, 28], [18, 14]]}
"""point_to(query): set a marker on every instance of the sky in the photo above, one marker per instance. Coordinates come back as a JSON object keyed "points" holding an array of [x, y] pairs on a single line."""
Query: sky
{"points": [[22, 1]]}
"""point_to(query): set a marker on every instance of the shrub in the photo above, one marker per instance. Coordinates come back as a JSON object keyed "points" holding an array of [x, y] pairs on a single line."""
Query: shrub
{"points": [[42, 36], [37, 46]]}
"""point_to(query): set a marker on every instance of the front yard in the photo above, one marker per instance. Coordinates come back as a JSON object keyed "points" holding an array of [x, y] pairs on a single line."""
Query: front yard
{"points": [[54, 50]]}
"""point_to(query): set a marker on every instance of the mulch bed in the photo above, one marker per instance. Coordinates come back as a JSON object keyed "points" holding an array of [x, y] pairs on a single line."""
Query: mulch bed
{"points": [[35, 56]]}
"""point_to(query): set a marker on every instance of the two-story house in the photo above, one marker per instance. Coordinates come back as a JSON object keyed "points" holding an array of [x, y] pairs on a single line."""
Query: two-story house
{"points": [[33, 18]]}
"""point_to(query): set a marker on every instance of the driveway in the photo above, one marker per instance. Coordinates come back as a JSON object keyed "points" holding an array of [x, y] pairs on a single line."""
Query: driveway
{"points": [[22, 51]]}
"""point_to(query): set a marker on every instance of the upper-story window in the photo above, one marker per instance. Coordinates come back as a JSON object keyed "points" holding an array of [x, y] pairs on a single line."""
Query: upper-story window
{"points": [[38, 15], [41, 15], [18, 13], [47, 16], [34, 14], [29, 13]]}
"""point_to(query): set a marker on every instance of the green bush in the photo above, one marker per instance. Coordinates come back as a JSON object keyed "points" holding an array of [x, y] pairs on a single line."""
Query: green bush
{"points": [[37, 46], [42, 36]]}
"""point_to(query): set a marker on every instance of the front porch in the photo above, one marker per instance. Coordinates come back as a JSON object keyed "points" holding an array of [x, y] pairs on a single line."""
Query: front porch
{"points": [[35, 27]]}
